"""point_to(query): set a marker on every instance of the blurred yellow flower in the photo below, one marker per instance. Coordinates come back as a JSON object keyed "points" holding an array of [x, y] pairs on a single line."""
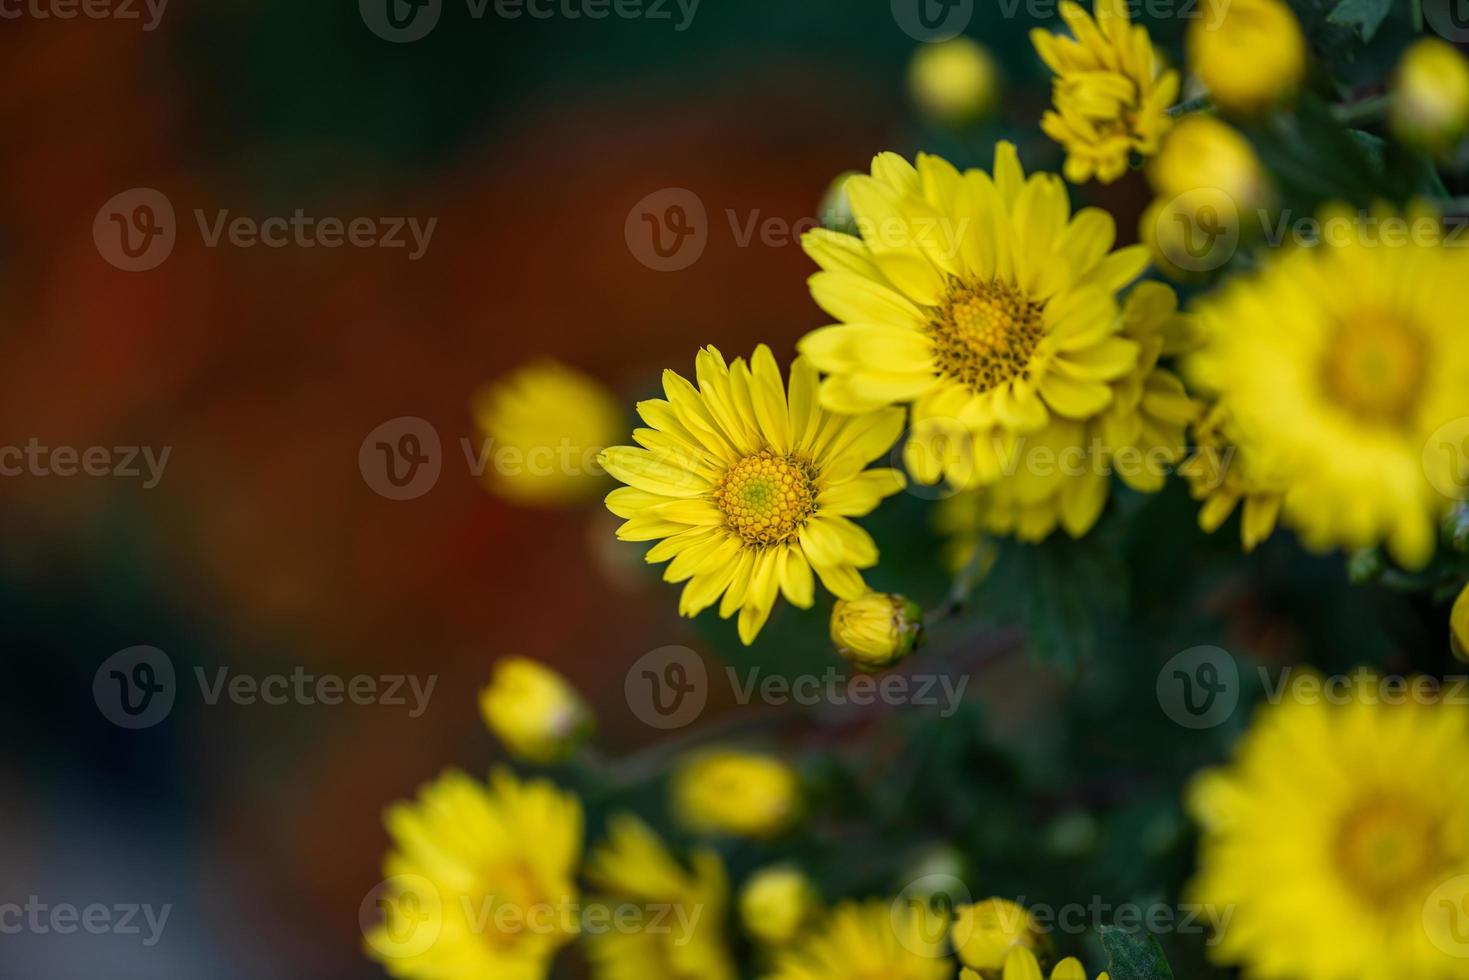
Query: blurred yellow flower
{"points": [[876, 630], [1061, 476], [1111, 92], [777, 904], [955, 82], [662, 921], [546, 423], [1249, 54], [1338, 834], [1430, 96], [1203, 152], [1021, 964], [871, 939], [979, 299], [743, 794], [481, 880], [1222, 472], [986, 933], [534, 711], [1459, 623], [1337, 363], [748, 491]]}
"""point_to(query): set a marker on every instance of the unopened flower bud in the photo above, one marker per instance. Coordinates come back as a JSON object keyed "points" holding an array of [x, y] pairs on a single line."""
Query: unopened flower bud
{"points": [[735, 793], [532, 709], [985, 932], [876, 630], [954, 82], [835, 211], [1430, 107], [776, 904]]}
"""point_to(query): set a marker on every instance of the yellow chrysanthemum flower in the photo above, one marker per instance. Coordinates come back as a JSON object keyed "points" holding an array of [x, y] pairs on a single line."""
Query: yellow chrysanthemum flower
{"points": [[1061, 476], [1338, 836], [1249, 54], [748, 490], [1111, 91], [870, 939], [1338, 362], [981, 300], [1222, 472], [532, 709], [679, 927], [1021, 964], [481, 881], [745, 794], [546, 424]]}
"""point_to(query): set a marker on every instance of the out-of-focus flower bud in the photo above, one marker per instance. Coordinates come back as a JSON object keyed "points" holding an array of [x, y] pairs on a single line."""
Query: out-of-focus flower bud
{"points": [[1430, 104], [546, 423], [532, 709], [1249, 54], [835, 211], [985, 932], [776, 904], [1204, 152], [742, 794], [876, 630], [954, 82]]}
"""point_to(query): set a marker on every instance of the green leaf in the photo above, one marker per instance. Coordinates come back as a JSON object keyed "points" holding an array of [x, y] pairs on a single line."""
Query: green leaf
{"points": [[1134, 956], [1364, 15]]}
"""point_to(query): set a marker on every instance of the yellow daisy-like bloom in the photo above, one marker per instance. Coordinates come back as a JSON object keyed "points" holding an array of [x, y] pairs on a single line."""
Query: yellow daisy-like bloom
{"points": [[870, 940], [1222, 473], [1061, 477], [1338, 362], [979, 299], [1111, 91], [679, 930], [750, 490], [987, 933], [1021, 964], [546, 423], [1339, 836], [481, 880], [1249, 54], [745, 794], [532, 709]]}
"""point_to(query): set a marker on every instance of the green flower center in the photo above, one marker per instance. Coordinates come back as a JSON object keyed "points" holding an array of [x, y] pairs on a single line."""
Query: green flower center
{"points": [[985, 333], [766, 498]]}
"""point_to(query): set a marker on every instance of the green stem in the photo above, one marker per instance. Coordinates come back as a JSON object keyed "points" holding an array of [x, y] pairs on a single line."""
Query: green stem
{"points": [[1199, 104], [1368, 110]]}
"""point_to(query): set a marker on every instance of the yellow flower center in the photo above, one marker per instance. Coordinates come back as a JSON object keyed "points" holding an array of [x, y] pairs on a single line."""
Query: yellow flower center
{"points": [[984, 334], [766, 498], [1390, 850], [516, 905], [1375, 368]]}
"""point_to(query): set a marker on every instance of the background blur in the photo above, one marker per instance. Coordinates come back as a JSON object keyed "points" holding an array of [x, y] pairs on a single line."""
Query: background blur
{"points": [[262, 549]]}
